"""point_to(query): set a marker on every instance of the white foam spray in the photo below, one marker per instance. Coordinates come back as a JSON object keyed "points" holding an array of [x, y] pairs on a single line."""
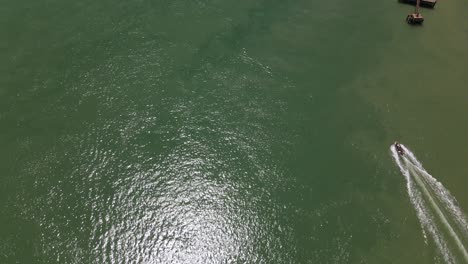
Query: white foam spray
{"points": [[437, 210]]}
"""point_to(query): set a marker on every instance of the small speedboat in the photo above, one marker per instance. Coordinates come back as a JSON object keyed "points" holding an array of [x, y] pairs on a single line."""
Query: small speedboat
{"points": [[399, 148]]}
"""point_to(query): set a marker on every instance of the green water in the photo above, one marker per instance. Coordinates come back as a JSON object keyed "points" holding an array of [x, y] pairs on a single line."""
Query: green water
{"points": [[225, 131]]}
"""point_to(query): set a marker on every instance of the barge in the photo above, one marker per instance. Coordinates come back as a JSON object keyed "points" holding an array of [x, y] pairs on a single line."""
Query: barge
{"points": [[423, 3]]}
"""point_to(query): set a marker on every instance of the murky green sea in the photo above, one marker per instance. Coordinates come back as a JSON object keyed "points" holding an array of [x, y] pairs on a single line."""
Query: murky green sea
{"points": [[221, 131]]}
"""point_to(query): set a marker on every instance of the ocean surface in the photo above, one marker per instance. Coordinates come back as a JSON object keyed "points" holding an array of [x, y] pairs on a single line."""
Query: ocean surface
{"points": [[221, 131]]}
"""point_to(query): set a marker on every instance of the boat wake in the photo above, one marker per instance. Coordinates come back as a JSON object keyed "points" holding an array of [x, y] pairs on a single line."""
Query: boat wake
{"points": [[439, 214]]}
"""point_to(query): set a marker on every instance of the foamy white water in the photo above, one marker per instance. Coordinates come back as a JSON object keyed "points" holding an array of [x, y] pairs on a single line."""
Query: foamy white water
{"points": [[437, 210]]}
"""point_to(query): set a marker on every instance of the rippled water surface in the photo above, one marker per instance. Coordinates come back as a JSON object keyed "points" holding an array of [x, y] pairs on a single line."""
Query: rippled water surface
{"points": [[224, 131]]}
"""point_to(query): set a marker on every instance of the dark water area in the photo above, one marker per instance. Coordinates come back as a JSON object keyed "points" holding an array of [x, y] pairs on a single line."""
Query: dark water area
{"points": [[225, 131]]}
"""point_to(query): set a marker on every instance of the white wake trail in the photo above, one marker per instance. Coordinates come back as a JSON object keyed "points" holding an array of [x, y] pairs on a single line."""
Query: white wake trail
{"points": [[436, 208]]}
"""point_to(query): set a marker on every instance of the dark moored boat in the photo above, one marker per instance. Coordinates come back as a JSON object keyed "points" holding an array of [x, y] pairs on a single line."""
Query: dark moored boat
{"points": [[416, 17]]}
